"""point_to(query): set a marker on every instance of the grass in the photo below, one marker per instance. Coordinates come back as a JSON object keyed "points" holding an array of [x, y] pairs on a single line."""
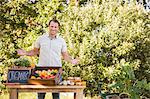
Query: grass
{"points": [[29, 95]]}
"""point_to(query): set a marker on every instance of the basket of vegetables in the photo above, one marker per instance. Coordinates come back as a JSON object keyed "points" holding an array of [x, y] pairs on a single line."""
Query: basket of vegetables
{"points": [[21, 63]]}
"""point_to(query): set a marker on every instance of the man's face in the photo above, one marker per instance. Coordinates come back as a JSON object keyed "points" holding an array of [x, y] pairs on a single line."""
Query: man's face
{"points": [[53, 28]]}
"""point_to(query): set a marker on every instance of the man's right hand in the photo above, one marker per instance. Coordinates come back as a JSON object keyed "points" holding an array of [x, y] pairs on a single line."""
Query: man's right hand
{"points": [[21, 52]]}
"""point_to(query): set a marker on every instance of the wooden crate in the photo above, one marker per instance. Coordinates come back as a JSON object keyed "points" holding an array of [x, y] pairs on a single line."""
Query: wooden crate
{"points": [[46, 81], [42, 81]]}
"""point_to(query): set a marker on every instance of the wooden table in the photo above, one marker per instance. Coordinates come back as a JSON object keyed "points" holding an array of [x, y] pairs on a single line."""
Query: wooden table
{"points": [[14, 89]]}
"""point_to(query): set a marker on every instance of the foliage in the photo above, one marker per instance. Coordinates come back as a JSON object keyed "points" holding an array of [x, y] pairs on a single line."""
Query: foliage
{"points": [[100, 33], [126, 82]]}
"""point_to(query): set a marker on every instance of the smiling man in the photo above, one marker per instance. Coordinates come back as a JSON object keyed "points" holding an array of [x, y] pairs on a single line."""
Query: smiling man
{"points": [[50, 48]]}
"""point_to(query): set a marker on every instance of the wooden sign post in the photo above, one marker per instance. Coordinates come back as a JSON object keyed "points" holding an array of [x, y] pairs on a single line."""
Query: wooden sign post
{"points": [[18, 75]]}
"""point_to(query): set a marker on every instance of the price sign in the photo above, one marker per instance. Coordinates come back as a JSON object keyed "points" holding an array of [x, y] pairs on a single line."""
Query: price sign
{"points": [[18, 75]]}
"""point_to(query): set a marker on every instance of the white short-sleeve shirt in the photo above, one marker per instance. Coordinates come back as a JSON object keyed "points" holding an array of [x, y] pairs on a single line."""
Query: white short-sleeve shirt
{"points": [[50, 50]]}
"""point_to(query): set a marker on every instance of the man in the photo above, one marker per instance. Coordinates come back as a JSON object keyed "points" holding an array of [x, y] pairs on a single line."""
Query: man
{"points": [[50, 47]]}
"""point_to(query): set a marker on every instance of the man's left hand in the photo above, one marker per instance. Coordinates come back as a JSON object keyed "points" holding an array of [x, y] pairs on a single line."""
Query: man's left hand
{"points": [[74, 61]]}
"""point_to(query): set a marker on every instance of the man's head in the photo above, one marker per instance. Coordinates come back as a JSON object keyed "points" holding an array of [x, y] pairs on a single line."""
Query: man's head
{"points": [[53, 27]]}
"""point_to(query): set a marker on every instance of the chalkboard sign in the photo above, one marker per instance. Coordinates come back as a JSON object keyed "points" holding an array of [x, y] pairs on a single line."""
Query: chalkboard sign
{"points": [[18, 75]]}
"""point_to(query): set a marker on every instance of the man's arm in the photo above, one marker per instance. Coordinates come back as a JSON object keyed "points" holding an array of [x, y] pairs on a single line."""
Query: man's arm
{"points": [[68, 58], [32, 52]]}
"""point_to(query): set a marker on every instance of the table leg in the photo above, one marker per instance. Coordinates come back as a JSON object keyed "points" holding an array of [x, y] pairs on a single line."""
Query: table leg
{"points": [[13, 94], [78, 95], [75, 96]]}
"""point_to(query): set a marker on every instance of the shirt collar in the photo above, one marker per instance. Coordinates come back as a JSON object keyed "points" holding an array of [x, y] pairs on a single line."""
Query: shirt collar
{"points": [[47, 34]]}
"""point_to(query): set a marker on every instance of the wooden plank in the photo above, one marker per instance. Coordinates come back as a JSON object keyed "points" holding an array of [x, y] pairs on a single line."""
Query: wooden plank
{"points": [[79, 94], [13, 94], [41, 86], [47, 90]]}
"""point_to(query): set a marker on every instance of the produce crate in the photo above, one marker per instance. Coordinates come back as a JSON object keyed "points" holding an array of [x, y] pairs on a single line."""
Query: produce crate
{"points": [[45, 76]]}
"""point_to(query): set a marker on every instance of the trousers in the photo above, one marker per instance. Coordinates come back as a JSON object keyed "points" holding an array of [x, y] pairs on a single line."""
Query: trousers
{"points": [[42, 95]]}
